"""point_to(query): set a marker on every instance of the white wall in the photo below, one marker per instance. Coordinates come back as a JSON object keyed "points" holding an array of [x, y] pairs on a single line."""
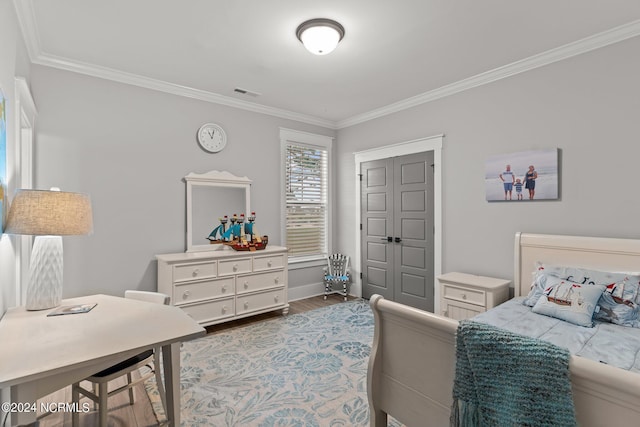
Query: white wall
{"points": [[14, 63], [129, 148], [588, 106]]}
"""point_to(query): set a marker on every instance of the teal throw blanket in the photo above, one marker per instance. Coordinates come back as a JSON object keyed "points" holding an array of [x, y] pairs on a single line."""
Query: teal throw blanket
{"points": [[505, 379]]}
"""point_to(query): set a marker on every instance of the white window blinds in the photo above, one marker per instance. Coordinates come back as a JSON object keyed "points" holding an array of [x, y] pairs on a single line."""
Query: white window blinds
{"points": [[306, 201]]}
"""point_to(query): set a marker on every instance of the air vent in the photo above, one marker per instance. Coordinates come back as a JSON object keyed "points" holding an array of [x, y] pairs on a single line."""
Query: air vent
{"points": [[246, 92]]}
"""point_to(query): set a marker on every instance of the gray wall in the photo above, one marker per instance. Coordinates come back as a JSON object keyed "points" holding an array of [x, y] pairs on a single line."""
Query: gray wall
{"points": [[588, 106], [129, 148]]}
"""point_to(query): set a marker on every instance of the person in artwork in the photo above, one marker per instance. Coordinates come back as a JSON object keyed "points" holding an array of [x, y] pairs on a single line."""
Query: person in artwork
{"points": [[530, 181], [518, 187], [508, 178]]}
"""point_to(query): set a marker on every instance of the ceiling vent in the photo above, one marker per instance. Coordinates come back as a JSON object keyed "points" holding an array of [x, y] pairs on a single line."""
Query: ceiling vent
{"points": [[246, 92]]}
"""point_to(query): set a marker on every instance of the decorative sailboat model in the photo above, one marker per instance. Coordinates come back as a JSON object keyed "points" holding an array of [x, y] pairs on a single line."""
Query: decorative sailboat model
{"points": [[240, 236]]}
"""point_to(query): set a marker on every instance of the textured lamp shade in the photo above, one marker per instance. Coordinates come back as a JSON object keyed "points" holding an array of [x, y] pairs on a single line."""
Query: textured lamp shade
{"points": [[48, 215]]}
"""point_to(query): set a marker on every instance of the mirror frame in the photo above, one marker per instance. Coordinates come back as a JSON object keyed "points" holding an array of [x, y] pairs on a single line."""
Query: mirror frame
{"points": [[219, 179]]}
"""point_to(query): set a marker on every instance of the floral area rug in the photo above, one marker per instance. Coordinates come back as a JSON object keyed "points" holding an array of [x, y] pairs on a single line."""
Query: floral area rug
{"points": [[306, 370]]}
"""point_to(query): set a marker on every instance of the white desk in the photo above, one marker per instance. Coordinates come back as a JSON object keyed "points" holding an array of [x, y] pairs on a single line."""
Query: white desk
{"points": [[40, 354]]}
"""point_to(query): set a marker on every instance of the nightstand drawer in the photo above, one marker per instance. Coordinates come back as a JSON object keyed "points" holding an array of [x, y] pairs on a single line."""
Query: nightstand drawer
{"points": [[198, 291], [194, 271], [470, 296], [268, 262], [459, 310], [234, 266]]}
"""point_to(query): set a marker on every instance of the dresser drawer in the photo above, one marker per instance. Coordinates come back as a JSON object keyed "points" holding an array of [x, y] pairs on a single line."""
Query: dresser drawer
{"points": [[210, 310], [182, 272], [254, 302], [234, 266], [256, 282], [197, 291], [268, 262], [470, 296]]}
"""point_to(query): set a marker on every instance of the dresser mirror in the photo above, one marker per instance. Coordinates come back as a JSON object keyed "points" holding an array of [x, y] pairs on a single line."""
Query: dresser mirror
{"points": [[211, 196]]}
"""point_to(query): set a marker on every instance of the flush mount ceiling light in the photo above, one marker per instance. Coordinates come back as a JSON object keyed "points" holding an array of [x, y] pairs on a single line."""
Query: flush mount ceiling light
{"points": [[320, 36]]}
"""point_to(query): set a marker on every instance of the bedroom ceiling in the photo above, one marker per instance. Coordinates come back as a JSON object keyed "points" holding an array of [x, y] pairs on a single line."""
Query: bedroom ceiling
{"points": [[394, 53]]}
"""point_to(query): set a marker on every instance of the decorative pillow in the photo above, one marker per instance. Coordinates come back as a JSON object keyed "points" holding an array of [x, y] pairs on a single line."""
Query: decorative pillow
{"points": [[569, 301], [619, 304]]}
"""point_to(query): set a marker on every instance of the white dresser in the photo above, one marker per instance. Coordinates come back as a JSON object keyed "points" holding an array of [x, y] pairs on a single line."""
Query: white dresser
{"points": [[464, 295], [222, 285]]}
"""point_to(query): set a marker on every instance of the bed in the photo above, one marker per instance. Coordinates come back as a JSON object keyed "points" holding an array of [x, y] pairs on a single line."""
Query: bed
{"points": [[412, 363]]}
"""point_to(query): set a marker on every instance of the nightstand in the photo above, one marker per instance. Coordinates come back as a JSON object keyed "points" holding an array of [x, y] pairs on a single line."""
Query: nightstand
{"points": [[464, 295]]}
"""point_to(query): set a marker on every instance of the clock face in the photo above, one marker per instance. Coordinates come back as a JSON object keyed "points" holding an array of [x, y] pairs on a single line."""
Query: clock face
{"points": [[212, 137]]}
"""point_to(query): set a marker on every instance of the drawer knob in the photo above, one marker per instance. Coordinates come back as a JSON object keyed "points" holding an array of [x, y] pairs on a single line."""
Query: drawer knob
{"points": [[276, 298], [464, 296], [224, 288], [195, 272], [235, 267], [269, 263], [224, 309], [276, 279], [186, 294], [246, 304], [246, 285]]}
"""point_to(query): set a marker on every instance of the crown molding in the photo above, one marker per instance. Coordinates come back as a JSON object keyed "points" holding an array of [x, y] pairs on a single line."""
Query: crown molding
{"points": [[26, 19], [27, 22], [163, 86], [596, 41]]}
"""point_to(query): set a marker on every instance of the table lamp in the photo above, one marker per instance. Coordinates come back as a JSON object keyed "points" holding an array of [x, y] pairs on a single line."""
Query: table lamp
{"points": [[48, 215]]}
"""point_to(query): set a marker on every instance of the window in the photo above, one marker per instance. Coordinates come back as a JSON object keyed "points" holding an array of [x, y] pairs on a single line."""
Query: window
{"points": [[306, 194]]}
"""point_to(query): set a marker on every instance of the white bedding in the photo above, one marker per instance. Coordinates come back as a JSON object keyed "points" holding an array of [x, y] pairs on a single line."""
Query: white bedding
{"points": [[615, 345]]}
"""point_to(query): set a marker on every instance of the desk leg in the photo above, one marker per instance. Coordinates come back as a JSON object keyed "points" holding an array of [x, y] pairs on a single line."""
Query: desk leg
{"points": [[171, 366], [24, 393]]}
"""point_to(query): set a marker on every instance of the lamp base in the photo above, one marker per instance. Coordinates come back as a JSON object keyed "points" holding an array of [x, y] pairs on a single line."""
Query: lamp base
{"points": [[45, 284]]}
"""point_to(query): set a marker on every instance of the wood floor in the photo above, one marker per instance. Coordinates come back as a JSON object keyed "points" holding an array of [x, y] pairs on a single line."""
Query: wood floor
{"points": [[140, 414]]}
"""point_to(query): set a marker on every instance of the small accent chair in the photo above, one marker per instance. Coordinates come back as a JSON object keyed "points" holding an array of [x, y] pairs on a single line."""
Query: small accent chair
{"points": [[149, 359], [337, 273]]}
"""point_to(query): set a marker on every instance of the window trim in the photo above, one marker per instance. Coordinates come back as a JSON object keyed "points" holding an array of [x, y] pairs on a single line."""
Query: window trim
{"points": [[288, 136]]}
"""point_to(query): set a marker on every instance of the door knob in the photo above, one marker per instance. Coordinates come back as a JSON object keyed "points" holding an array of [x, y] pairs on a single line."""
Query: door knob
{"points": [[398, 240], [388, 239]]}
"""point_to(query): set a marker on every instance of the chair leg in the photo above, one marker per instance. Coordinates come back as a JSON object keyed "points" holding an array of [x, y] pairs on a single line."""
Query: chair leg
{"points": [[129, 380], [326, 290], [159, 383], [75, 398], [344, 290], [103, 406], [95, 391]]}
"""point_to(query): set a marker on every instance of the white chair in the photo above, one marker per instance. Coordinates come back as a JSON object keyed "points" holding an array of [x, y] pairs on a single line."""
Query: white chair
{"points": [[100, 380], [337, 273]]}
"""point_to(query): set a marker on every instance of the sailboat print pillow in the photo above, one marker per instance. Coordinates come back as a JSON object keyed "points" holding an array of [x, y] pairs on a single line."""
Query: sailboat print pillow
{"points": [[569, 301], [619, 304]]}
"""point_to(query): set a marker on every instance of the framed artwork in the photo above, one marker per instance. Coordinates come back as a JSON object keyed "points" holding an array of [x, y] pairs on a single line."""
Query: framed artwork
{"points": [[3, 159], [522, 176]]}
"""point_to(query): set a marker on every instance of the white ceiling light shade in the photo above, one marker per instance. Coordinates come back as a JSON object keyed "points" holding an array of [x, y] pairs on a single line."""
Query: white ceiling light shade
{"points": [[320, 36]]}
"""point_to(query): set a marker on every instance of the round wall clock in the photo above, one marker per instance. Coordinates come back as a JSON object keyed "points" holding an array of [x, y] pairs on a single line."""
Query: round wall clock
{"points": [[212, 137]]}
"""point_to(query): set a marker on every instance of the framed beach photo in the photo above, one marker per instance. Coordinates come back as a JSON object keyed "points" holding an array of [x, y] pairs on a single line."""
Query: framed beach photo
{"points": [[522, 176]]}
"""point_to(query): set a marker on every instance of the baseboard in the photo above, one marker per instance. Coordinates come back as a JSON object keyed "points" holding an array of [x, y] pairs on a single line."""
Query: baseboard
{"points": [[305, 291], [308, 291]]}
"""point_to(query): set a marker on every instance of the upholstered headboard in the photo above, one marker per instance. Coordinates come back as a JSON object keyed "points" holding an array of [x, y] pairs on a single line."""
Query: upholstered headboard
{"points": [[596, 253]]}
